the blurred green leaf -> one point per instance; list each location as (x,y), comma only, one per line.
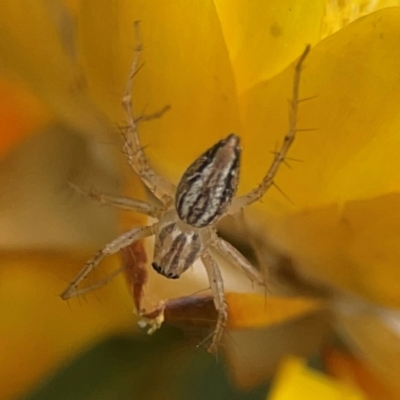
(142,367)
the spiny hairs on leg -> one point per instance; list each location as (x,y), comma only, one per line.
(280,155)
(97,285)
(121,202)
(113,247)
(160,187)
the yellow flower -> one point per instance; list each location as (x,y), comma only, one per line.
(221,66)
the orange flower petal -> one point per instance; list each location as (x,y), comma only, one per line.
(349,369)
(250,310)
(37,44)
(373,334)
(254,355)
(21,114)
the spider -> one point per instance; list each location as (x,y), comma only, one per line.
(187,217)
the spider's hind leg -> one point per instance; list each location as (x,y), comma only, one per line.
(238,259)
(217,289)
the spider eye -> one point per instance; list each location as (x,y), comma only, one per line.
(156,267)
(160,270)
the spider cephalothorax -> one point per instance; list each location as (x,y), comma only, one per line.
(176,247)
(185,230)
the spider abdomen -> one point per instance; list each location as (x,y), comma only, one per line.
(208,186)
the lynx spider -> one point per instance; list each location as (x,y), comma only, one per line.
(187,218)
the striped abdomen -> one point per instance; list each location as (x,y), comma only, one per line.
(208,186)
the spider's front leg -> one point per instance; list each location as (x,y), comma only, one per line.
(217,289)
(121,202)
(116,245)
(268,180)
(133,149)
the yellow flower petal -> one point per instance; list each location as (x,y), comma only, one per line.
(354,247)
(346,234)
(39,329)
(339,14)
(353,151)
(189,69)
(297,381)
(353,155)
(186,66)
(264,37)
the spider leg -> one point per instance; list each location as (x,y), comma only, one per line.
(122,202)
(117,244)
(267,182)
(238,259)
(217,289)
(99,284)
(159,186)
